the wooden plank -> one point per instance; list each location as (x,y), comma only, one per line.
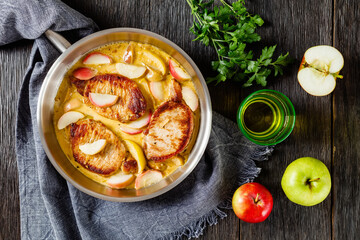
(295,26)
(346,170)
(172,19)
(115,13)
(14,60)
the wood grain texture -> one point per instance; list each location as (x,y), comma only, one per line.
(346,170)
(290,25)
(321,121)
(14,60)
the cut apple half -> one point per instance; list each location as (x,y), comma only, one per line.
(84,73)
(130,131)
(137,153)
(316,83)
(190,98)
(154,61)
(319,69)
(130,71)
(148,178)
(140,122)
(96,58)
(68,118)
(94,147)
(120,180)
(103,100)
(177,72)
(157,90)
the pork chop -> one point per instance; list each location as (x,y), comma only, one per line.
(169,131)
(105,162)
(131,104)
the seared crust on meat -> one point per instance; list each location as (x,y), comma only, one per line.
(131,104)
(175,91)
(106,161)
(130,165)
(169,131)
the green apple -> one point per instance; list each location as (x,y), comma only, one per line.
(306,181)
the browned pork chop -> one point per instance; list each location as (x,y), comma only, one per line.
(131,103)
(169,131)
(106,161)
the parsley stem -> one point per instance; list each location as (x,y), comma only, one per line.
(228,28)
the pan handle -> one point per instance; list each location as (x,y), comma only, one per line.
(59,41)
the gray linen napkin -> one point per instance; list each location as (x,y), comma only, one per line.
(51,208)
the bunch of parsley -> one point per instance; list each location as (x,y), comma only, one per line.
(228,28)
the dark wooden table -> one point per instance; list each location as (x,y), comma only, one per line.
(327,128)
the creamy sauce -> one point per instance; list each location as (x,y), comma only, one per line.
(69,92)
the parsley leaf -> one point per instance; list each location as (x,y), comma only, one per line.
(228,28)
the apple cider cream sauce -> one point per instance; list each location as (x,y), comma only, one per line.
(68,93)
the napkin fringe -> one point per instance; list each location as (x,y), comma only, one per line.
(262,154)
(196,229)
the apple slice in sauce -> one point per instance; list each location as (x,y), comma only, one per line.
(153,75)
(140,122)
(96,58)
(130,71)
(190,98)
(177,72)
(68,118)
(157,90)
(154,61)
(93,148)
(84,73)
(103,100)
(120,180)
(148,178)
(129,54)
(72,104)
(130,131)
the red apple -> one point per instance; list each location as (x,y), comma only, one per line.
(177,72)
(84,73)
(96,58)
(252,202)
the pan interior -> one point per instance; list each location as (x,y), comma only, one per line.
(46,110)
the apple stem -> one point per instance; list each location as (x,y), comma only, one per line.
(313,180)
(338,76)
(257,198)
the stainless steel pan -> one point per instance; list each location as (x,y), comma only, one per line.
(46,110)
